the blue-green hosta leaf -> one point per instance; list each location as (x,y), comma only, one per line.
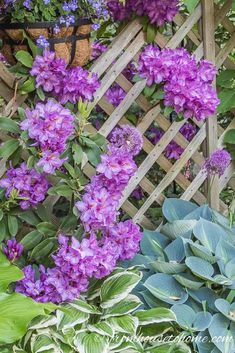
(171,267)
(201,212)
(225,308)
(209,234)
(102,328)
(166,288)
(204,344)
(117,288)
(175,250)
(70,317)
(91,343)
(176,209)
(180,228)
(188,280)
(8,273)
(125,323)
(153,242)
(126,306)
(155,315)
(206,295)
(225,251)
(185,315)
(151,300)
(200,267)
(201,251)
(85,307)
(222,327)
(202,321)
(229,270)
(139,260)
(16,312)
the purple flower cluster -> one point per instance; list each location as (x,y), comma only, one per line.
(217,163)
(13,250)
(78,261)
(157,11)
(98,49)
(50,125)
(173,150)
(115,95)
(67,84)
(187,84)
(30,185)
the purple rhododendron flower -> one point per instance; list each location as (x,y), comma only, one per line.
(13,250)
(217,163)
(98,49)
(126,139)
(67,84)
(115,95)
(30,185)
(187,84)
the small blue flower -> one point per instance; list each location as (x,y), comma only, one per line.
(42,42)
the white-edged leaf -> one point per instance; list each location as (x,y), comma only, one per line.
(125,323)
(155,315)
(126,306)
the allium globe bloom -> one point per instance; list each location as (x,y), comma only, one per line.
(50,125)
(126,235)
(217,163)
(115,95)
(30,185)
(98,49)
(66,84)
(187,84)
(126,139)
(13,250)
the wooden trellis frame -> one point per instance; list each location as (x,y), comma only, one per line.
(109,67)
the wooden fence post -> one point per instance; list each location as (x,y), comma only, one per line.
(208,16)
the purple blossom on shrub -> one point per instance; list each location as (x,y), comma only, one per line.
(30,185)
(98,49)
(67,84)
(118,10)
(115,95)
(126,139)
(13,250)
(50,161)
(138,193)
(187,84)
(217,163)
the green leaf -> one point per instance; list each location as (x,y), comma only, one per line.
(77,153)
(117,287)
(191,4)
(31,240)
(12,225)
(93,154)
(229,137)
(226,78)
(70,317)
(227,100)
(8,124)
(151,32)
(91,343)
(102,328)
(8,148)
(16,312)
(47,228)
(85,307)
(148,91)
(43,249)
(125,323)
(28,86)
(155,315)
(126,306)
(25,58)
(61,190)
(8,273)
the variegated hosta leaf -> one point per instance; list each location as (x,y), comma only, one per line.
(170,347)
(91,343)
(125,323)
(70,317)
(126,306)
(43,322)
(85,307)
(44,344)
(102,328)
(117,287)
(125,346)
(155,315)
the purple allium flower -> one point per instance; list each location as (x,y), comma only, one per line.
(217,163)
(115,95)
(13,250)
(127,236)
(98,49)
(126,139)
(187,84)
(42,42)
(30,185)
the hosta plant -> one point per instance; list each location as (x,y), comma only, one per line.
(190,268)
(108,319)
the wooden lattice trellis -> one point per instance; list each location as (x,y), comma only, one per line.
(109,67)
